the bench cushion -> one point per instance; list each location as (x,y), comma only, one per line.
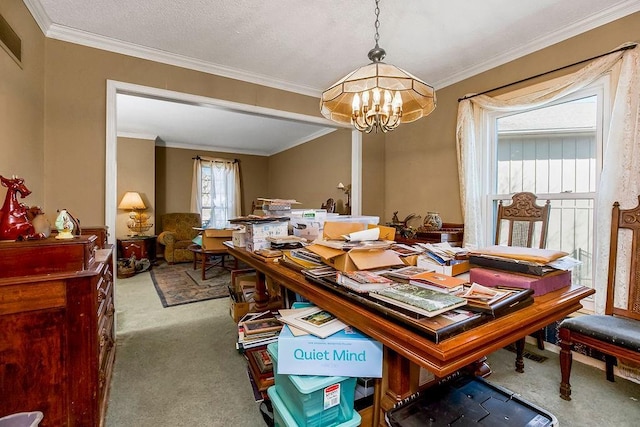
(619,331)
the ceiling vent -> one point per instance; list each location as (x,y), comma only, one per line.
(10,41)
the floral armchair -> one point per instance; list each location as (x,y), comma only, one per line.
(177,234)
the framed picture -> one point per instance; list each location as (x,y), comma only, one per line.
(261,326)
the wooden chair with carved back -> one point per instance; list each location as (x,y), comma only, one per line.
(329,205)
(616,333)
(524,223)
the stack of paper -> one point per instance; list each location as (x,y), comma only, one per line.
(312,320)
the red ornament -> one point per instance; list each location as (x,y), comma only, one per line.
(14,223)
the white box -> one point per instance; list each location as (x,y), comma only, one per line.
(373,220)
(263,230)
(348,353)
(239,238)
(256,245)
(308,228)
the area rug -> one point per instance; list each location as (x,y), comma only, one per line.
(179,284)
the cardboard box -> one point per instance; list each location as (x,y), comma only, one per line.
(347,353)
(540,284)
(453,268)
(239,309)
(237,306)
(213,238)
(355,259)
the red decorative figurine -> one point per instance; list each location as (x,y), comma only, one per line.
(14,223)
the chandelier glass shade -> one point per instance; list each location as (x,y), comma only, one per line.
(377,96)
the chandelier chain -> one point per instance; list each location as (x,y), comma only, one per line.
(377,23)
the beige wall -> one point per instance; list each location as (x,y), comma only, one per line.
(412,169)
(174,170)
(22,107)
(374,176)
(75,123)
(134,174)
(310,173)
(421,156)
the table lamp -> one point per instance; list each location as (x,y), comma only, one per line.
(138,221)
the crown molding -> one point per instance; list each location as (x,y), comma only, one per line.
(172,144)
(39,15)
(616,12)
(71,35)
(84,38)
(188,146)
(136,135)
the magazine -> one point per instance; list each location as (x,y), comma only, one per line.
(438,282)
(407,272)
(418,299)
(362,281)
(314,320)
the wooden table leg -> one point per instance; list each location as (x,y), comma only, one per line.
(204,264)
(519,353)
(396,384)
(261,297)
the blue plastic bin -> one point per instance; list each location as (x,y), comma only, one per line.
(314,401)
(282,416)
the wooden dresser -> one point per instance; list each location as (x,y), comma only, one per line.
(56,329)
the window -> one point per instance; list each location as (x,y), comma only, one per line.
(556,153)
(217,192)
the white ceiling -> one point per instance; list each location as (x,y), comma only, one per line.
(305,46)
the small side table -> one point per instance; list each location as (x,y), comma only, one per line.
(140,246)
(207,258)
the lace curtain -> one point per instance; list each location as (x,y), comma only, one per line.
(225,177)
(620,178)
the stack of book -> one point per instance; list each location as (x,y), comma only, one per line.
(300,259)
(496,301)
(419,299)
(257,329)
(438,282)
(541,270)
(362,281)
(444,258)
(311,320)
(319,272)
(260,367)
(406,273)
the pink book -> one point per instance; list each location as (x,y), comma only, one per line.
(540,284)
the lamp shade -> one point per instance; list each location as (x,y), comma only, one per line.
(131,200)
(418,98)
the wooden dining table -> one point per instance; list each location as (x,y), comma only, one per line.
(405,349)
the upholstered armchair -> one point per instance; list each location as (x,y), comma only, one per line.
(177,234)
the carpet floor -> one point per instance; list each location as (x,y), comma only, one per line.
(178,366)
(178,284)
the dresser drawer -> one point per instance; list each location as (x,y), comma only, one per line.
(104,291)
(106,338)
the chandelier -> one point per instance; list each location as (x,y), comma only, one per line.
(377,96)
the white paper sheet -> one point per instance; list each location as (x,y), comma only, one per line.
(360,236)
